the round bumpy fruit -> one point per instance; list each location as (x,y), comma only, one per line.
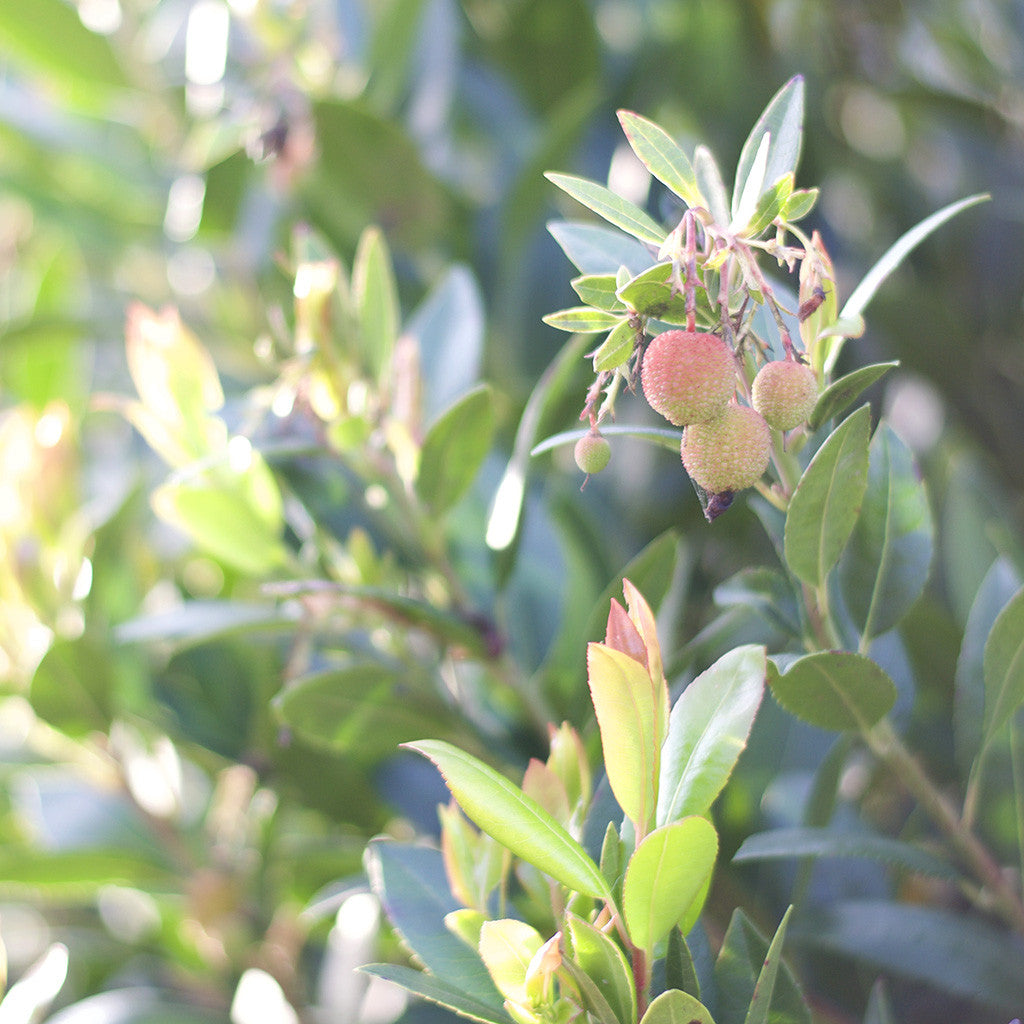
(728,453)
(688,377)
(592,453)
(784,393)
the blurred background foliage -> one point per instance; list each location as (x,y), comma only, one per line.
(175,841)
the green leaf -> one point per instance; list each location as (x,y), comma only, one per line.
(506,947)
(707,732)
(782,124)
(78,873)
(624,702)
(764,988)
(892,258)
(768,207)
(768,592)
(826,502)
(197,621)
(47,38)
(799,204)
(1004,668)
(376,300)
(616,210)
(676,1007)
(997,588)
(885,565)
(947,950)
(583,320)
(835,690)
(436,990)
(653,294)
(505,813)
(795,843)
(411,884)
(666,879)
(603,961)
(616,349)
(75,685)
(843,392)
(661,155)
(454,449)
(595,249)
(680,970)
(737,969)
(589,995)
(712,186)
(598,290)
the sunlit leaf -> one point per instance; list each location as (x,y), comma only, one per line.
(614,209)
(583,320)
(666,876)
(506,947)
(661,155)
(708,729)
(504,812)
(603,961)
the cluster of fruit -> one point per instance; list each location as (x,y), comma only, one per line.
(690,378)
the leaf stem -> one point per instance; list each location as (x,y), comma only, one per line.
(886,745)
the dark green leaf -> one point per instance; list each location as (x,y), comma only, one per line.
(828,842)
(454,449)
(843,392)
(411,883)
(737,969)
(616,210)
(835,690)
(708,730)
(74,687)
(680,971)
(760,1011)
(946,950)
(826,502)
(440,991)
(508,815)
(1004,667)
(885,565)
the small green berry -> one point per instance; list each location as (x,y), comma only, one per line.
(688,377)
(728,453)
(592,453)
(784,393)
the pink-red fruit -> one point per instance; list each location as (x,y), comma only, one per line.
(784,393)
(592,453)
(688,377)
(728,453)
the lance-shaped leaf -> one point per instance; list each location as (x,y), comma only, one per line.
(624,702)
(616,210)
(885,565)
(437,990)
(667,878)
(454,449)
(598,290)
(782,124)
(835,690)
(1004,667)
(616,349)
(661,155)
(680,969)
(844,392)
(595,249)
(376,299)
(603,961)
(738,970)
(677,1007)
(826,502)
(504,812)
(712,187)
(760,1011)
(583,320)
(707,731)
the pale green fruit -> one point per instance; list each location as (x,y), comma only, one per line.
(688,377)
(728,453)
(784,393)
(592,453)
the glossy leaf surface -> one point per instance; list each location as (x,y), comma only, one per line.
(616,210)
(708,729)
(603,961)
(504,812)
(661,155)
(826,502)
